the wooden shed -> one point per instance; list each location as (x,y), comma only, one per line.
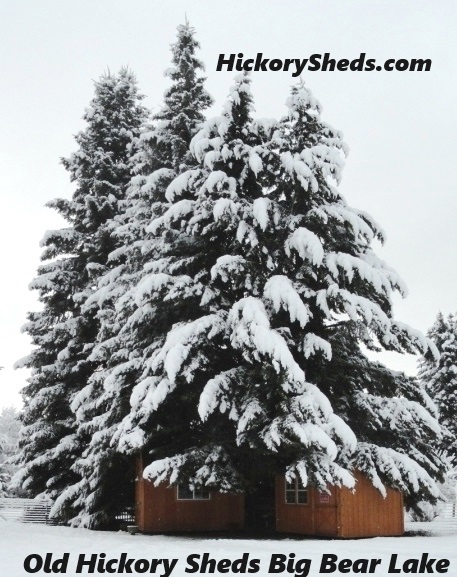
(296,509)
(166,509)
(340,513)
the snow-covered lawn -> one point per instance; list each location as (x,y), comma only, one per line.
(18,541)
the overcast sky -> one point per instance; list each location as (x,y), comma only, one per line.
(401,127)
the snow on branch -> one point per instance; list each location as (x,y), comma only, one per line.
(157,285)
(307,244)
(224,206)
(176,211)
(180,340)
(351,264)
(402,471)
(226,266)
(260,208)
(181,183)
(218,181)
(280,291)
(397,412)
(251,333)
(216,393)
(313,344)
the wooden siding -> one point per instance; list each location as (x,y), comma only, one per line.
(159,511)
(342,513)
(364,513)
(317,517)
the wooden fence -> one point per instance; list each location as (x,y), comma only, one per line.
(37,511)
(25,510)
(445,523)
(449,511)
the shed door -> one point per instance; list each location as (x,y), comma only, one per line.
(260,506)
(326,513)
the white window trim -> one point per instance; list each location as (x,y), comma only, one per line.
(296,489)
(193,498)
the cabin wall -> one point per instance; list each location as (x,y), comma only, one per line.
(319,516)
(326,512)
(342,513)
(366,513)
(159,511)
(139,492)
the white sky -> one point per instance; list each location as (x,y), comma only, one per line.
(401,126)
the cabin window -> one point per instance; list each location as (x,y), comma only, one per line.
(296,493)
(186,494)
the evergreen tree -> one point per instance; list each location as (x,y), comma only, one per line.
(9,436)
(262,370)
(62,332)
(127,332)
(440,380)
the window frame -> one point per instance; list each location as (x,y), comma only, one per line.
(194,491)
(297,489)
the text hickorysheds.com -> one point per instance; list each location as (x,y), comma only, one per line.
(319,63)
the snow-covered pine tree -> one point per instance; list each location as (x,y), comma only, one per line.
(262,371)
(127,332)
(62,333)
(440,380)
(352,306)
(9,437)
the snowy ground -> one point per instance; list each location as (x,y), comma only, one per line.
(18,541)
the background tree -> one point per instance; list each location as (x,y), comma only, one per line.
(440,380)
(9,439)
(62,332)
